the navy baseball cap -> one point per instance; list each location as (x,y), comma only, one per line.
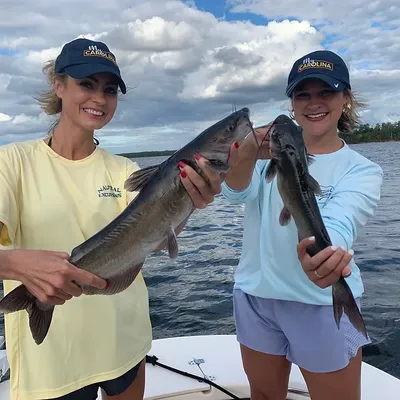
(321,64)
(83,57)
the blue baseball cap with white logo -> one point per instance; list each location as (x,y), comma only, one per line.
(321,64)
(83,57)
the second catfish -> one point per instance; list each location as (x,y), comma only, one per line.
(289,162)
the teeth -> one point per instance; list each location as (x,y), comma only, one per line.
(94,112)
(316,115)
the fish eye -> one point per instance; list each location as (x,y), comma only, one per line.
(230,128)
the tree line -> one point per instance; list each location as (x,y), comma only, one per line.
(366,133)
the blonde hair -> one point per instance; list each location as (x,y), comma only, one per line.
(350,117)
(49,102)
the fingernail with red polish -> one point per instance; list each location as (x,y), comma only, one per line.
(107,285)
(236,144)
(181,164)
(183,174)
(197,156)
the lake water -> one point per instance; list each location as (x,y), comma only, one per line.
(193,294)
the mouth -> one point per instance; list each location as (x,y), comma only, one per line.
(316,117)
(93,113)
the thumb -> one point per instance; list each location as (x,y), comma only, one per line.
(302,248)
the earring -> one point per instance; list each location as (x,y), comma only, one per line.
(291,114)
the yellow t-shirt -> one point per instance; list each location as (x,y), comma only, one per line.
(50,203)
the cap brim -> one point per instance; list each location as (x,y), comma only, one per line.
(84,70)
(335,84)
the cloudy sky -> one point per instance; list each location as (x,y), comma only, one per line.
(189,62)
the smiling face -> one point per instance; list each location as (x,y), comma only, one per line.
(317,107)
(88,103)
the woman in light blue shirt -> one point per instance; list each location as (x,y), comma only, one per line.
(282,296)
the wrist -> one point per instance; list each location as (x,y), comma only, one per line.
(7,268)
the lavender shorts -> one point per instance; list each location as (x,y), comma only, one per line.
(305,333)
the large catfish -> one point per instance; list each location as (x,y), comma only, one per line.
(289,162)
(117,252)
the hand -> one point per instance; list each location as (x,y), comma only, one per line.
(48,275)
(327,266)
(249,148)
(200,191)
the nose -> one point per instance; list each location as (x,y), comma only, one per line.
(314,103)
(99,97)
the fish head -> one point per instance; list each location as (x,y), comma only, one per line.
(285,137)
(215,142)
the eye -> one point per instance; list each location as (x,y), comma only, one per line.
(302,95)
(230,128)
(327,92)
(86,84)
(112,90)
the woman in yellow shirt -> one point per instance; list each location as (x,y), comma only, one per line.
(49,203)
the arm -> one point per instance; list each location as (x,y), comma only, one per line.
(46,274)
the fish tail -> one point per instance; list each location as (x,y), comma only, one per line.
(40,315)
(343,300)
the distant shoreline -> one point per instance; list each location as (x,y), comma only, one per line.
(379,133)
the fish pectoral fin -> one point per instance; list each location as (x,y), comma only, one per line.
(284,217)
(172,244)
(139,178)
(116,283)
(313,184)
(272,170)
(218,165)
(39,317)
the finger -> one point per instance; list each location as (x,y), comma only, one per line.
(334,275)
(319,258)
(331,263)
(52,290)
(311,263)
(72,289)
(233,159)
(214,178)
(198,182)
(41,289)
(86,278)
(197,198)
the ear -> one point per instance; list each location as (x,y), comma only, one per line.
(346,98)
(58,88)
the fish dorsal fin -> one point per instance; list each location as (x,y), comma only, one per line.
(312,184)
(272,169)
(140,177)
(172,244)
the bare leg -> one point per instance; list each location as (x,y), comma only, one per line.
(268,374)
(344,384)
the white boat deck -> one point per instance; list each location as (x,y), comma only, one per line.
(217,358)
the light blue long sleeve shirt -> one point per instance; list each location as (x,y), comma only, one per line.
(268,266)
